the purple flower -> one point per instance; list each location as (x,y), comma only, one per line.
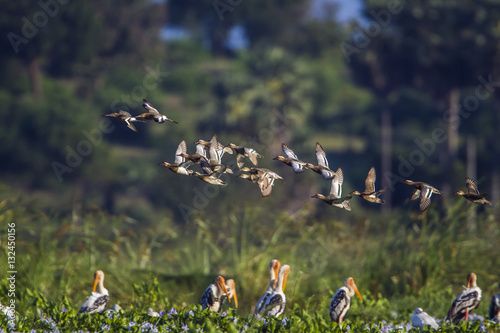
(64,310)
(284,321)
(185,328)
(105,327)
(191,313)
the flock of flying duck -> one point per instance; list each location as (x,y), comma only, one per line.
(209,156)
(273,301)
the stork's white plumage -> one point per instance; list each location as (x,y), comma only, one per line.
(97,301)
(341,301)
(274,267)
(276,302)
(494,314)
(420,318)
(213,296)
(467,301)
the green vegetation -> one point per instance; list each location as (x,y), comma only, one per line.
(417,99)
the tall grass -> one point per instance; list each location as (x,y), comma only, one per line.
(399,261)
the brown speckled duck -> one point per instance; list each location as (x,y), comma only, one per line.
(335,197)
(473,193)
(180,164)
(154,114)
(242,152)
(322,168)
(370,194)
(262,177)
(125,118)
(291,160)
(424,191)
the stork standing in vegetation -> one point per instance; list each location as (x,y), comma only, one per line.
(98,300)
(421,318)
(322,168)
(424,191)
(335,197)
(276,302)
(467,301)
(154,114)
(274,267)
(231,292)
(341,301)
(213,296)
(473,193)
(370,194)
(494,314)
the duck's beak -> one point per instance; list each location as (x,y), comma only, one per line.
(356,290)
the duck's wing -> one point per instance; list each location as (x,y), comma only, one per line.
(471,186)
(370,181)
(181,149)
(200,149)
(205,166)
(321,156)
(288,152)
(337,181)
(149,107)
(129,124)
(215,151)
(252,155)
(425,198)
(416,194)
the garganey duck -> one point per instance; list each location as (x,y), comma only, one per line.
(262,177)
(125,118)
(370,194)
(291,159)
(322,168)
(335,197)
(219,147)
(242,152)
(154,114)
(180,164)
(424,191)
(211,173)
(200,154)
(473,193)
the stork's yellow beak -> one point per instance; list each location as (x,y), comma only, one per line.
(356,290)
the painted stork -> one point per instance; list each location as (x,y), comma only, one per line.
(274,267)
(423,191)
(322,168)
(421,318)
(276,302)
(231,292)
(98,300)
(467,301)
(495,308)
(341,301)
(154,114)
(370,194)
(213,296)
(291,159)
